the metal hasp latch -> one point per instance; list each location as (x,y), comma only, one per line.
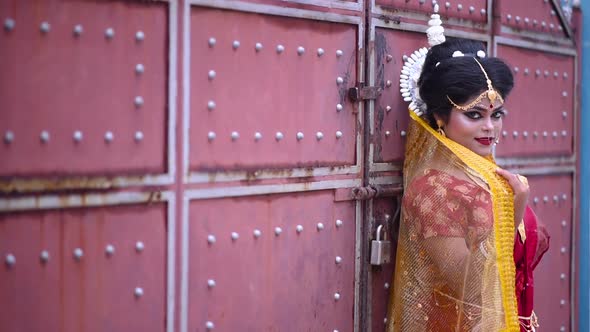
(362,92)
(380,249)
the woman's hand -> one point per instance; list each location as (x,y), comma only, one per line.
(521,190)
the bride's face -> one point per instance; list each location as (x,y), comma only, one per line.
(478,127)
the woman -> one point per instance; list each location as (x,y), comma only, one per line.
(468,243)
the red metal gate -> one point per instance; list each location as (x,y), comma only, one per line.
(191,165)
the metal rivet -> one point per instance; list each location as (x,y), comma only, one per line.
(211,105)
(555,198)
(320,51)
(563,250)
(525,134)
(109,33)
(564,114)
(210,283)
(44,256)
(483,11)
(516,69)
(45,27)
(388,108)
(403,133)
(405,58)
(544,134)
(515,134)
(211,239)
(257,136)
(386,286)
(339,223)
(300,50)
(385,320)
(555,74)
(562,276)
(422,1)
(565,75)
(552,12)
(546,73)
(257,233)
(299,229)
(336,296)
(554,134)
(138,136)
(471,9)
(545,199)
(564,94)
(77,136)
(526,71)
(388,83)
(300,136)
(139,69)
(459,7)
(109,250)
(212,41)
(139,36)
(78,254)
(535,134)
(280,49)
(447,5)
(559,28)
(279,136)
(44,136)
(563,223)
(258,47)
(526,20)
(211,136)
(235,236)
(338,134)
(10,260)
(320,226)
(211,74)
(78,29)
(387,133)
(9,24)
(138,292)
(235,44)
(538,72)
(278,231)
(338,259)
(562,329)
(388,57)
(209,325)
(543,24)
(8,137)
(536,200)
(339,80)
(339,53)
(138,101)
(564,197)
(508,17)
(562,302)
(551,26)
(235,135)
(504,133)
(517,19)
(139,246)
(109,136)
(535,22)
(319,135)
(339,107)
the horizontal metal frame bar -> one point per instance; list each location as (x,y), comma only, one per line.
(526,161)
(540,37)
(347,5)
(262,174)
(548,170)
(447,23)
(502,40)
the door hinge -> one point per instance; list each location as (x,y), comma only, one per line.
(375,191)
(362,92)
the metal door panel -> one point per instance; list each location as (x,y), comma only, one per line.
(554,208)
(472,10)
(543,81)
(277,91)
(69,88)
(90,293)
(274,280)
(539,17)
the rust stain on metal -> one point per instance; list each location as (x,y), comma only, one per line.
(59,184)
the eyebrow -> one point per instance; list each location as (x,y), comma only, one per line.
(485,109)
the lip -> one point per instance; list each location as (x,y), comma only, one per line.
(485,140)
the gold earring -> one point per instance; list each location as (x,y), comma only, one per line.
(440,130)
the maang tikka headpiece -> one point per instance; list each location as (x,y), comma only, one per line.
(413,68)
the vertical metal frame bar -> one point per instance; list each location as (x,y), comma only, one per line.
(204,177)
(46,202)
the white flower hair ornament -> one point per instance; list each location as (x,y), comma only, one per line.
(413,65)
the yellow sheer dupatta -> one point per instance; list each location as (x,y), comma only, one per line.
(483,298)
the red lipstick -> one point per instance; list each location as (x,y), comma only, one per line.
(485,140)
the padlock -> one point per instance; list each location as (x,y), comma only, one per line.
(380,249)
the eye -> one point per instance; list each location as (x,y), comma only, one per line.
(473,115)
(498,114)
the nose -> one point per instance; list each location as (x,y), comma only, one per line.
(488,125)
